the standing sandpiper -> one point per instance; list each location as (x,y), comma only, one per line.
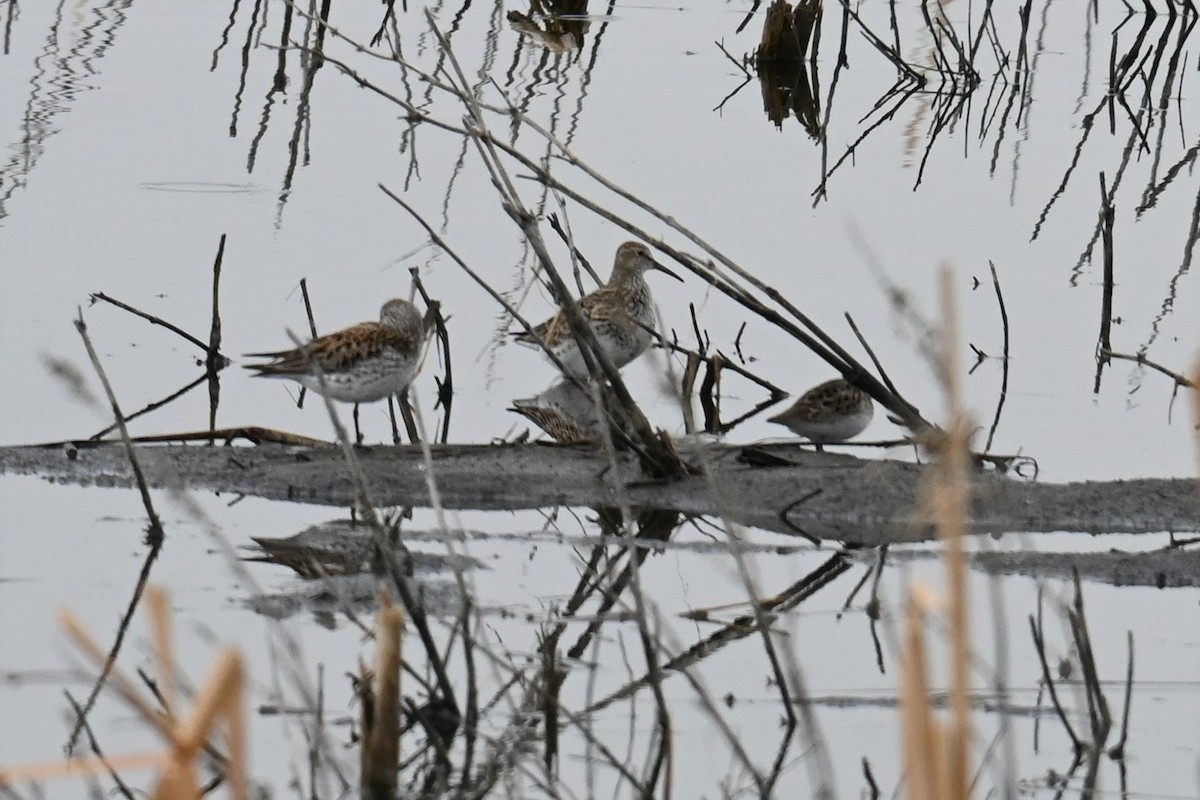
(834,411)
(620,312)
(359,364)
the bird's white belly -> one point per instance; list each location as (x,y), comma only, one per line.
(621,344)
(834,430)
(362,385)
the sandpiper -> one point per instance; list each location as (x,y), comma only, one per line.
(557,424)
(359,364)
(834,411)
(564,411)
(620,312)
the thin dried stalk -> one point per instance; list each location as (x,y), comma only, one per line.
(951,499)
(381,740)
(220,697)
(924,761)
(937,755)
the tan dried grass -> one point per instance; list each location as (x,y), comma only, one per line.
(221,698)
(936,752)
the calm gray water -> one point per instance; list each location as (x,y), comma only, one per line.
(138,134)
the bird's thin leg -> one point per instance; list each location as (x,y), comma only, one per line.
(820,448)
(358,437)
(392,414)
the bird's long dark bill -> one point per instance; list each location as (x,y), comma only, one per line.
(429,322)
(672,273)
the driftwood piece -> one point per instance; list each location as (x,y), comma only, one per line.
(826,495)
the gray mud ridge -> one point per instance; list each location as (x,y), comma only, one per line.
(1163,568)
(826,495)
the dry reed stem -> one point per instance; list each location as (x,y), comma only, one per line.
(117,679)
(381,741)
(79,766)
(158,605)
(922,765)
(951,499)
(220,697)
(937,755)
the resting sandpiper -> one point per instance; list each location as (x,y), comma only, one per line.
(620,313)
(834,411)
(359,364)
(564,411)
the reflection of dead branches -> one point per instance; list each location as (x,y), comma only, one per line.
(742,626)
(952,77)
(1104,349)
(783,62)
(1098,717)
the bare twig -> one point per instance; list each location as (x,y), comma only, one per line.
(445,386)
(1004,359)
(154,536)
(153,320)
(153,406)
